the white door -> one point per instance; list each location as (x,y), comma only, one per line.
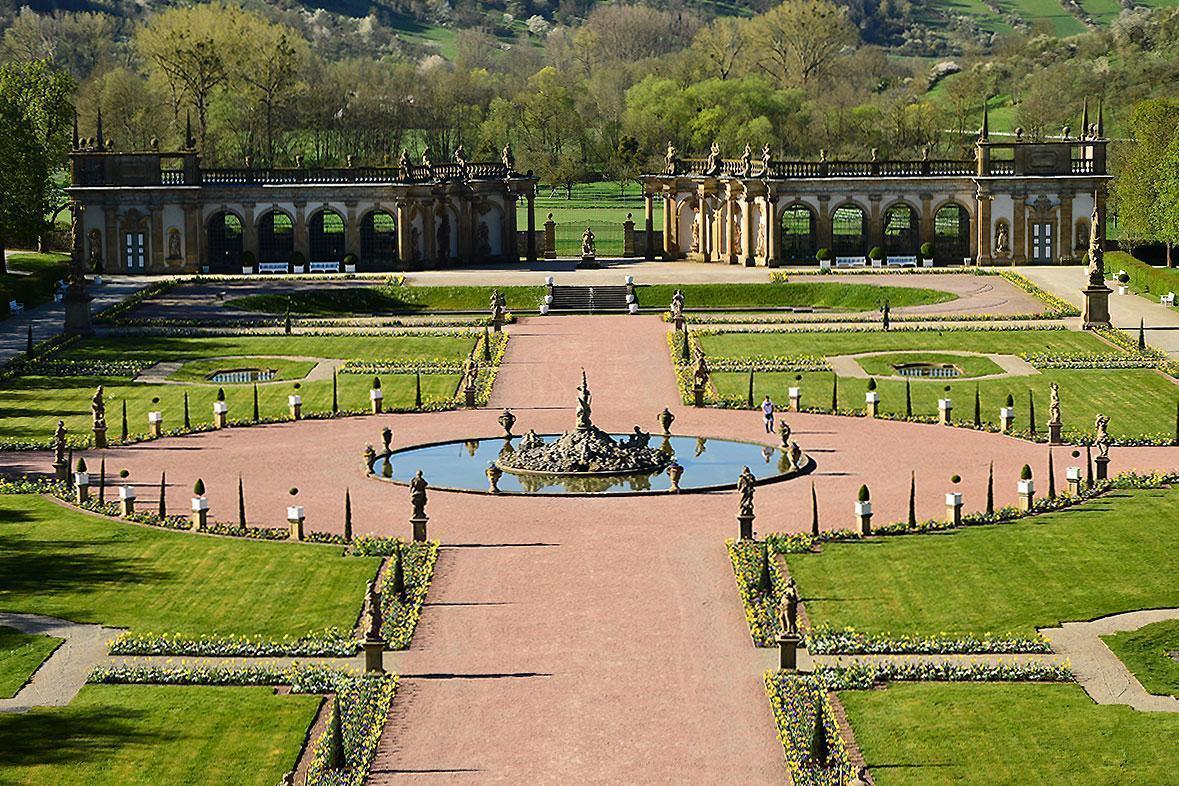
(1042,242)
(135,252)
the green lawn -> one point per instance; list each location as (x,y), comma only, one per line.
(63,563)
(31,278)
(159,348)
(917,734)
(1007,342)
(1140,402)
(199,371)
(1114,554)
(835,296)
(385,300)
(30,406)
(1149,653)
(144,735)
(600,206)
(21,654)
(968,365)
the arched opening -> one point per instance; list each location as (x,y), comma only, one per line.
(951,235)
(900,231)
(325,235)
(847,231)
(799,242)
(276,237)
(224,243)
(378,241)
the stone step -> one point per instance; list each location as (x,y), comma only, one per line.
(587,299)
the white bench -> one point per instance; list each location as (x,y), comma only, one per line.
(902,261)
(1167,299)
(824,264)
(849,261)
(14,307)
(272,267)
(325,267)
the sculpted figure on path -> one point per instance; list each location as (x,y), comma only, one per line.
(1053,403)
(583,403)
(374,612)
(790,608)
(98,409)
(700,375)
(59,442)
(1101,440)
(784,432)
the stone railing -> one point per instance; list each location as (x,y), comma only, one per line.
(780,170)
(351,175)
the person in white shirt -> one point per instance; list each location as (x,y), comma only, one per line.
(767,410)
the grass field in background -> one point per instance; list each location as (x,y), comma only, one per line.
(1149,281)
(145,735)
(969,365)
(918,734)
(831,295)
(160,348)
(31,278)
(1076,564)
(385,300)
(1003,342)
(63,563)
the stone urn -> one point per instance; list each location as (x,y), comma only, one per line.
(507,420)
(494,473)
(666,418)
(675,472)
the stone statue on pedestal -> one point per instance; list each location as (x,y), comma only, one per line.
(747,161)
(589,247)
(98,409)
(373,630)
(1053,403)
(766,160)
(509,159)
(1101,439)
(672,158)
(417,495)
(584,397)
(784,432)
(1096,251)
(59,443)
(746,489)
(700,375)
(677,304)
(713,165)
(790,608)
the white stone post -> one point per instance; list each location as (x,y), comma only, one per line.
(872,403)
(155,424)
(795,399)
(1027,494)
(1006,419)
(296,405)
(945,409)
(82,486)
(220,414)
(954,508)
(376,396)
(126,500)
(200,513)
(864,517)
(1073,474)
(296,518)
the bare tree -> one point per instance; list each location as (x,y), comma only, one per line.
(796,42)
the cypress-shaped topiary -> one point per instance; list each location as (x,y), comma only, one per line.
(123,430)
(336,756)
(256,413)
(1025,473)
(1141,335)
(820,746)
(347,515)
(221,394)
(1089,466)
(685,347)
(863,495)
(908,400)
(749,397)
(977,407)
(163,509)
(81,465)
(417,390)
(871,384)
(814,511)
(912,498)
(241,503)
(834,392)
(187,422)
(765,582)
(102,481)
(376,383)
(991,488)
(198,488)
(1031,412)
(397,572)
(1051,477)
(486,345)
(335,393)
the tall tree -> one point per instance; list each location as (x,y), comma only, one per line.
(799,40)
(1146,185)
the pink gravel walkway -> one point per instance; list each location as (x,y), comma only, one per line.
(582,640)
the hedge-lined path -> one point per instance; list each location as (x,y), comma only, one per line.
(62,675)
(1100,672)
(1127,311)
(48,319)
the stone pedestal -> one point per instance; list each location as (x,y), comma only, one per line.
(1006,419)
(954,508)
(945,411)
(374,655)
(588,262)
(795,399)
(220,414)
(295,403)
(61,471)
(1102,463)
(1054,434)
(296,518)
(698,396)
(864,517)
(745,526)
(469,396)
(100,437)
(1027,494)
(126,500)
(81,487)
(1073,475)
(550,238)
(788,651)
(155,424)
(681,324)
(77,311)
(872,404)
(200,514)
(1096,311)
(419,528)
(376,397)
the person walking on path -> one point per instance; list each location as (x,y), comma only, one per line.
(767,411)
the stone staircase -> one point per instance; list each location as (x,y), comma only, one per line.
(588,300)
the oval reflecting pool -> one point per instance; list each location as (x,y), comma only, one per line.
(709,464)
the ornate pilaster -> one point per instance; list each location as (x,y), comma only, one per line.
(1019,229)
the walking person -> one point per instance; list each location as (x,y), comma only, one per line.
(767,411)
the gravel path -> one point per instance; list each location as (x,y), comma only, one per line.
(1101,673)
(64,673)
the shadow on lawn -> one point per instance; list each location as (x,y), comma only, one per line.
(33,567)
(61,736)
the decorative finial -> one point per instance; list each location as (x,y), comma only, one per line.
(1085,117)
(98,130)
(1101,118)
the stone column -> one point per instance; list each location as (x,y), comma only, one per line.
(725,235)
(200,514)
(1019,228)
(823,228)
(983,229)
(795,394)
(628,236)
(158,246)
(155,424)
(1065,232)
(249,230)
(788,651)
(1102,463)
(81,487)
(374,650)
(669,248)
(220,414)
(875,221)
(747,240)
(351,229)
(511,241)
(745,526)
(376,396)
(531,226)
(404,233)
(945,410)
(773,231)
(302,239)
(419,528)
(296,406)
(926,227)
(872,403)
(704,217)
(430,231)
(194,238)
(649,225)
